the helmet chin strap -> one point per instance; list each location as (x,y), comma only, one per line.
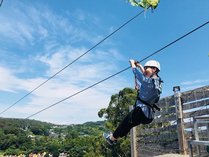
(152,75)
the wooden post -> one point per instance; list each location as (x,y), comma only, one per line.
(180,121)
(133,139)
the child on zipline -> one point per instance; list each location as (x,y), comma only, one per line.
(148,94)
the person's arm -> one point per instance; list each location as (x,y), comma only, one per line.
(136,72)
(135,64)
(140,67)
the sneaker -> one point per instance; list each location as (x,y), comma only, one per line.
(107,138)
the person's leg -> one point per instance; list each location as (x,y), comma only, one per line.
(134,118)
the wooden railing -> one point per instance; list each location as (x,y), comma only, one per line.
(173,126)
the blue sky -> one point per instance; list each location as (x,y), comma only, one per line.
(38,38)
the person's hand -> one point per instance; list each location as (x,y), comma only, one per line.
(137,63)
(132,62)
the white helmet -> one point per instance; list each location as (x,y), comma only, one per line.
(152,63)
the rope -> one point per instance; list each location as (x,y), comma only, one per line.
(171,43)
(72,61)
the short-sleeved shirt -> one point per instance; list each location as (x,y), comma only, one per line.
(150,90)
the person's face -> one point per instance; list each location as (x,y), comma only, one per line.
(149,71)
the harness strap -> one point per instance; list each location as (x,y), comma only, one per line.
(153,106)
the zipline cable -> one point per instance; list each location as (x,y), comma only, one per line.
(73,61)
(171,43)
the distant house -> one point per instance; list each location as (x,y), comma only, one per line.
(32,137)
(52,134)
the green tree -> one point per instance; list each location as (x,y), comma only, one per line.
(117,109)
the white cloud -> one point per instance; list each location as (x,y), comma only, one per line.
(189,85)
(84,73)
(85,104)
(81,107)
(8,81)
(93,66)
(38,23)
(52,34)
(194,82)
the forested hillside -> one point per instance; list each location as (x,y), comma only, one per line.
(22,136)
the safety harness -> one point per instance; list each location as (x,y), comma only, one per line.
(152,106)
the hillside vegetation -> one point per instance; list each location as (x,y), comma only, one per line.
(23,136)
(20,136)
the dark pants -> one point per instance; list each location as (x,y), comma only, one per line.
(134,118)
